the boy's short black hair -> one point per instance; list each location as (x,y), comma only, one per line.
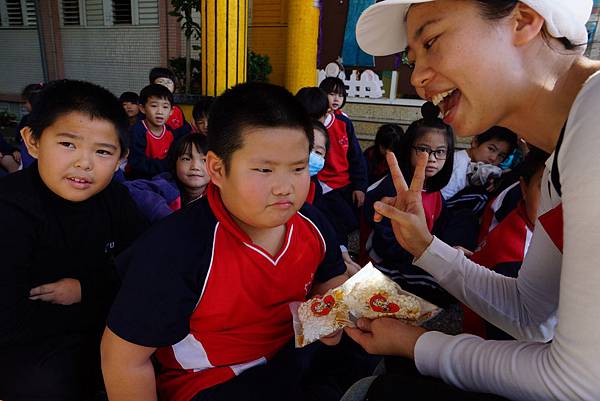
(314,101)
(334,85)
(388,136)
(252,104)
(67,96)
(318,125)
(430,122)
(161,72)
(534,161)
(499,134)
(155,90)
(130,97)
(202,107)
(183,146)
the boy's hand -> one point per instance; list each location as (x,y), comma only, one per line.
(17,156)
(351,266)
(66,291)
(467,253)
(333,338)
(386,336)
(358,197)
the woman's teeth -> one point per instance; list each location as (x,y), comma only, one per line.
(437,99)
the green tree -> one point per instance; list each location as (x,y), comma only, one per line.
(183,9)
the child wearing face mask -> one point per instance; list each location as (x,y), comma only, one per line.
(185,181)
(427,135)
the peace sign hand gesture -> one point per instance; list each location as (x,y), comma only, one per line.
(405,211)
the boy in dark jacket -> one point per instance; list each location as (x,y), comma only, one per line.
(65,222)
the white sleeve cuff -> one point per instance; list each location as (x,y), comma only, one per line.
(428,351)
(438,259)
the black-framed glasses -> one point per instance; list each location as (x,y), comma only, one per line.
(439,154)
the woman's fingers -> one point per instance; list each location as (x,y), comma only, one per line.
(388,201)
(418,181)
(397,177)
(391,212)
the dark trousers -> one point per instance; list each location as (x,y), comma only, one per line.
(61,368)
(341,212)
(313,373)
(403,381)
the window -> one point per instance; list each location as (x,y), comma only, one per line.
(121,10)
(70,13)
(14,12)
(17,13)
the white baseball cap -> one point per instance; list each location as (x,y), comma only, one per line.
(381,29)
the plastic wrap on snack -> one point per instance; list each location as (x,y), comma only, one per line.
(319,316)
(371,294)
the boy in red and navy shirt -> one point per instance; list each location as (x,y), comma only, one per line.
(212,305)
(150,137)
(503,248)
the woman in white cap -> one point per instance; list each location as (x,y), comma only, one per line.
(516,64)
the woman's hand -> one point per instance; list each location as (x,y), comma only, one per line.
(405,211)
(386,336)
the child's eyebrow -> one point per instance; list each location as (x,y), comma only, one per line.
(79,137)
(273,163)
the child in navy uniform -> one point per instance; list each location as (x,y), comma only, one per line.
(150,137)
(130,102)
(200,114)
(67,220)
(207,290)
(344,176)
(176,121)
(427,135)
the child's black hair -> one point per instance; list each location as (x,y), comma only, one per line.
(130,97)
(155,90)
(314,101)
(68,96)
(429,122)
(183,146)
(161,72)
(534,161)
(252,104)
(388,136)
(499,134)
(318,125)
(334,85)
(31,93)
(202,107)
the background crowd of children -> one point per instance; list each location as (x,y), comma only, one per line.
(97,171)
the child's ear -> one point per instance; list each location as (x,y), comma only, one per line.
(171,112)
(141,107)
(30,142)
(215,167)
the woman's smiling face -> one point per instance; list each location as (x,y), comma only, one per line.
(463,61)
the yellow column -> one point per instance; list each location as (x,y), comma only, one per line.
(302,37)
(224,46)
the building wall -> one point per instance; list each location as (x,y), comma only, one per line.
(118,58)
(268,34)
(20,60)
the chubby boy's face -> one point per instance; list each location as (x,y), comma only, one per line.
(267,180)
(77,156)
(157,111)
